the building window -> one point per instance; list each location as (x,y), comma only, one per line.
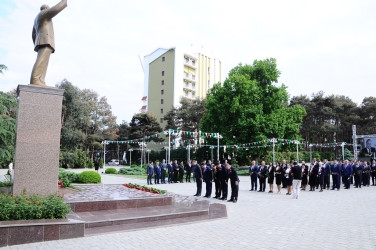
(162,73)
(161,120)
(186,93)
(163,59)
(162,101)
(209,83)
(193,62)
(162,92)
(208,70)
(162,82)
(161,111)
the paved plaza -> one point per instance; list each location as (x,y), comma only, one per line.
(342,219)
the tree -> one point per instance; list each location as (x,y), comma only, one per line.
(8,107)
(249,107)
(2,68)
(142,125)
(187,116)
(368,116)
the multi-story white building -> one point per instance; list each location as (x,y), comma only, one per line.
(170,74)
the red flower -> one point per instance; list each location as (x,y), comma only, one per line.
(39,204)
(35,202)
(28,203)
(17,202)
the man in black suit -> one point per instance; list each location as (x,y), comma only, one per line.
(223,178)
(234,180)
(188,170)
(198,176)
(175,166)
(368,149)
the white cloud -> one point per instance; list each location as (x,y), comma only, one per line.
(319,45)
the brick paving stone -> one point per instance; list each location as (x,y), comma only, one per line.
(257,221)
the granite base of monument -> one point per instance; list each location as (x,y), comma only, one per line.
(37,148)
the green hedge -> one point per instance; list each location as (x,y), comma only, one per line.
(110,171)
(67,177)
(132,171)
(23,207)
(89,177)
(6,183)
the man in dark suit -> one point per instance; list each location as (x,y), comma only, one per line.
(208,178)
(253,172)
(327,174)
(368,149)
(263,170)
(157,172)
(347,172)
(234,180)
(198,176)
(170,170)
(44,41)
(216,180)
(176,171)
(336,175)
(163,171)
(222,175)
(150,171)
(188,171)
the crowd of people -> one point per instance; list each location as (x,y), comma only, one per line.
(292,176)
(318,175)
(219,174)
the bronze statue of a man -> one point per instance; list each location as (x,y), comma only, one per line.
(44,41)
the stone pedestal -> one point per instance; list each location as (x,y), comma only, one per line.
(36,163)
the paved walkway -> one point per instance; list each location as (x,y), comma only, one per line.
(327,220)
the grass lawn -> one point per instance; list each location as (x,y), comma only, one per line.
(143,176)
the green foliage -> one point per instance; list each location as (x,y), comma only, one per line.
(101,163)
(244,172)
(110,171)
(132,171)
(90,164)
(348,155)
(251,107)
(87,119)
(6,183)
(89,177)
(73,159)
(2,68)
(134,166)
(25,207)
(234,163)
(8,107)
(67,177)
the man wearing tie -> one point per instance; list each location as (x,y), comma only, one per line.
(253,172)
(163,172)
(368,149)
(347,172)
(198,176)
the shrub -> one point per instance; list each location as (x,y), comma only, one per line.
(23,207)
(243,172)
(101,163)
(110,171)
(89,177)
(132,171)
(67,177)
(134,166)
(90,164)
(6,183)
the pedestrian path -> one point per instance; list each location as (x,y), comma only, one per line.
(326,220)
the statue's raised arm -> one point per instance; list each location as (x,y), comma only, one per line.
(44,40)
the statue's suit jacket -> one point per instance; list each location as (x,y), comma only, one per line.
(43,30)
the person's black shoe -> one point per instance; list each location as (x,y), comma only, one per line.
(215,197)
(196,195)
(251,189)
(321,190)
(259,191)
(231,200)
(223,198)
(235,201)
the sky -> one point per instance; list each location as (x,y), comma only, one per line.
(319,45)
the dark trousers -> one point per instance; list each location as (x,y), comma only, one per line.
(208,188)
(217,189)
(181,176)
(284,185)
(234,190)
(199,186)
(365,179)
(170,177)
(163,176)
(150,176)
(262,183)
(156,178)
(188,176)
(224,188)
(358,181)
(327,181)
(336,181)
(347,182)
(176,176)
(373,175)
(253,182)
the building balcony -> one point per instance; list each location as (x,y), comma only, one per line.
(190,64)
(189,78)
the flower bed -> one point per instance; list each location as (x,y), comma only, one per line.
(23,207)
(145,188)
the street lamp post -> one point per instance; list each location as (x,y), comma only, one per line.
(297,151)
(211,148)
(130,156)
(343,151)
(274,140)
(310,152)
